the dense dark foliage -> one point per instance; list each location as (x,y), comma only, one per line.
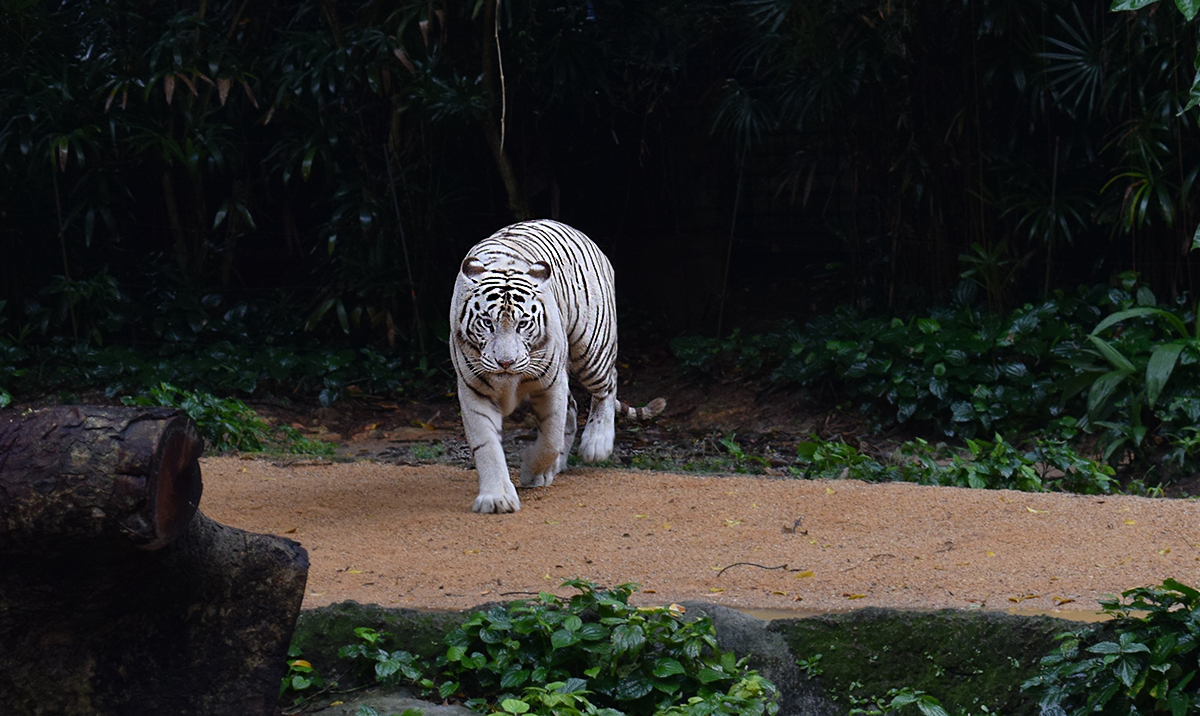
(293,182)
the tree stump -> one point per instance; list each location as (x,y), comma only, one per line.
(116,595)
(73,473)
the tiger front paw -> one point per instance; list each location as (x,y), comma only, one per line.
(496,504)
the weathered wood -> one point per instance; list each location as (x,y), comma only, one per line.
(118,597)
(94,472)
(198,628)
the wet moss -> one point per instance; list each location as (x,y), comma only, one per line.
(321,632)
(967,660)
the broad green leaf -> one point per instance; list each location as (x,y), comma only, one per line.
(709,675)
(1120,5)
(593,631)
(514,706)
(1112,355)
(1126,670)
(930,707)
(1158,369)
(1188,8)
(307,163)
(667,667)
(563,638)
(1119,316)
(514,677)
(626,638)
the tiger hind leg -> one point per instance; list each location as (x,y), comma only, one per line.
(569,430)
(597,441)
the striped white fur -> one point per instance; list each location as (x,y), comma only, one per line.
(533,303)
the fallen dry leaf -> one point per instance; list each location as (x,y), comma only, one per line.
(803,575)
(1037,512)
(1018,600)
(847,595)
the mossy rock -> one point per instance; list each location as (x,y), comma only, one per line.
(322,631)
(967,660)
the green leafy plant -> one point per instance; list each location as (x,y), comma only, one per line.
(991,465)
(591,653)
(229,424)
(1142,662)
(742,462)
(896,700)
(301,680)
(1140,367)
(388,666)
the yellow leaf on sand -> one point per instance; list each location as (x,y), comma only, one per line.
(1037,512)
(782,594)
(732,523)
(470,551)
(854,596)
(1062,600)
(803,575)
(715,568)
(552,522)
(1018,600)
(829,491)
(716,590)
(640,517)
(1165,551)
(354,571)
(991,554)
(1130,522)
(666,525)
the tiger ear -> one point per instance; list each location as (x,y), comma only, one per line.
(539,271)
(472,267)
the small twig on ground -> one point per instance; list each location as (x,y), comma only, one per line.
(752,564)
(872,559)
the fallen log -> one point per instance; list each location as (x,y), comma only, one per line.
(116,595)
(72,473)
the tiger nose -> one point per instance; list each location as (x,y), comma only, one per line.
(504,363)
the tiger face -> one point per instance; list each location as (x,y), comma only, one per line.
(504,319)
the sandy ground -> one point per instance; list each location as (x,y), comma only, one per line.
(405,536)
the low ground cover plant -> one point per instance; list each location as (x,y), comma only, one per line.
(229,424)
(1109,363)
(1142,662)
(591,654)
(1046,465)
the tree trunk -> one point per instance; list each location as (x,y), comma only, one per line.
(493,120)
(117,597)
(75,473)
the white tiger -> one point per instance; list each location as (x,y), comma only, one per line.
(532,302)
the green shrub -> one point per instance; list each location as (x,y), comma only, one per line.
(590,654)
(964,370)
(991,465)
(229,424)
(1142,662)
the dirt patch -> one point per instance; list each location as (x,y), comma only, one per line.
(404,535)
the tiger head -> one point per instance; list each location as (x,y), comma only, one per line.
(504,317)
